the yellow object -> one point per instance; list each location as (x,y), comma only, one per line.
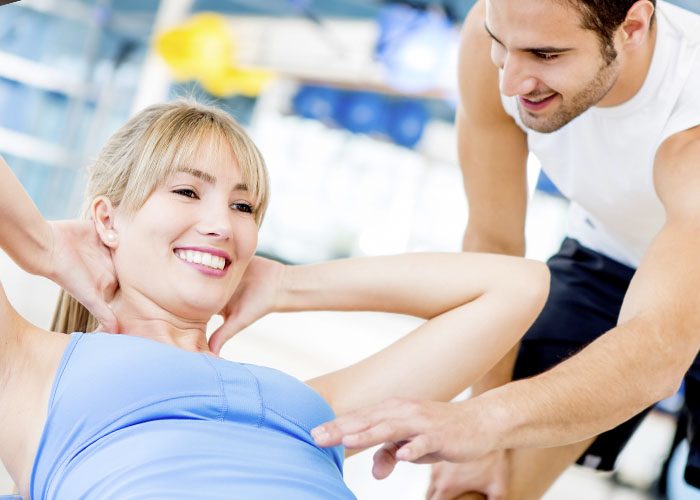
(249,82)
(204,49)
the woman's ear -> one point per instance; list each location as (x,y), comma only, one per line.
(102,212)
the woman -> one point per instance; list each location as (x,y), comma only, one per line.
(176,197)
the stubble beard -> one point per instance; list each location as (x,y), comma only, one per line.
(571,108)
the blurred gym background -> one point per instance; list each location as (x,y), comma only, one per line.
(352,103)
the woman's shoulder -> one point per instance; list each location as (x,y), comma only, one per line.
(25,393)
(35,359)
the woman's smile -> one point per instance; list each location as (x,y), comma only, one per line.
(209,261)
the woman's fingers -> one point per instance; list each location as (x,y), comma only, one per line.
(104,316)
(231,326)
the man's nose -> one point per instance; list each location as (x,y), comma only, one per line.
(515,77)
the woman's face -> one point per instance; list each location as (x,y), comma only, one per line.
(186,249)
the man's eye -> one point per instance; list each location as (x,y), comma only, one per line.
(546,56)
(186,192)
(243,207)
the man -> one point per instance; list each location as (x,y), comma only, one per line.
(607,94)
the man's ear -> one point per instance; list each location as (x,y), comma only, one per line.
(102,212)
(637,24)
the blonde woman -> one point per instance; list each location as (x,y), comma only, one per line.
(175,200)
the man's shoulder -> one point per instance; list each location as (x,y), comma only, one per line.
(685,73)
(683,22)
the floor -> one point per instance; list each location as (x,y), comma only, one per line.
(307,344)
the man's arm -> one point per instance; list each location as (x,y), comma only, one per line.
(493,158)
(644,358)
(632,366)
(492,149)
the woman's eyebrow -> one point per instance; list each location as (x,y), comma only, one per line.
(208,178)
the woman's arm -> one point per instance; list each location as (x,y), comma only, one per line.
(67,252)
(29,355)
(477,306)
(63,251)
(24,234)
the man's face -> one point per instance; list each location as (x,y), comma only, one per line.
(553,65)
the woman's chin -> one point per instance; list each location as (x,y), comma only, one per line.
(187,307)
(200,311)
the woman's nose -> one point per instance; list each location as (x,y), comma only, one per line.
(216,223)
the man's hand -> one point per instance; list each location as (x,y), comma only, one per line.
(255,297)
(487,475)
(79,262)
(412,431)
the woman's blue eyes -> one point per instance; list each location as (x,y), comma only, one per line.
(240,206)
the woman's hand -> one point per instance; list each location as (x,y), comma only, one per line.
(69,253)
(256,296)
(78,261)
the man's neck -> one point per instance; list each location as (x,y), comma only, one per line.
(633,74)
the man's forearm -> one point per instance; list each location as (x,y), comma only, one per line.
(476,240)
(614,378)
(23,232)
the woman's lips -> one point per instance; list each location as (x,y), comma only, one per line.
(216,273)
(209,261)
(537,105)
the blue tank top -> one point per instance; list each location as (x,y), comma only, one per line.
(129,417)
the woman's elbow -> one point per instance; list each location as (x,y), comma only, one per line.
(523,289)
(532,285)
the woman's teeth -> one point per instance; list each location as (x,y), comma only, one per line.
(202,258)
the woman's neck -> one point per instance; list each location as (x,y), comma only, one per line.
(139,317)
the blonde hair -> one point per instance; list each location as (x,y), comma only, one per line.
(146,151)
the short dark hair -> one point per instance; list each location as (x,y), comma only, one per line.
(603,17)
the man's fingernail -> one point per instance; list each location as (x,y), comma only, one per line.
(319,433)
(351,440)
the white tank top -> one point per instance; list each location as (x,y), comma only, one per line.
(603,160)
